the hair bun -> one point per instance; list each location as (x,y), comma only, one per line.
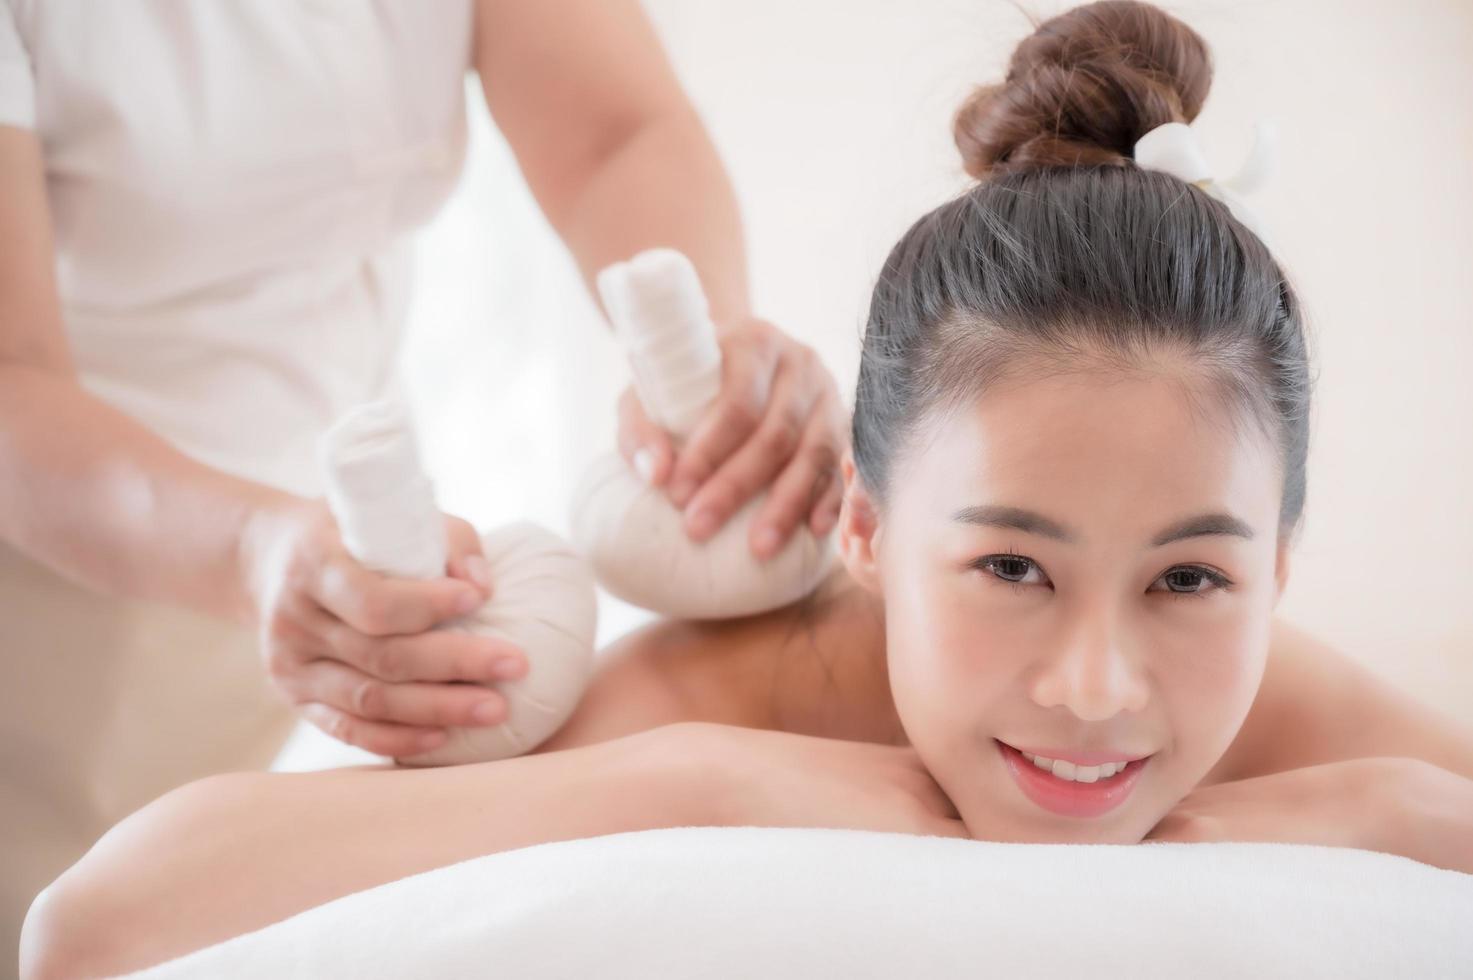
(1083,88)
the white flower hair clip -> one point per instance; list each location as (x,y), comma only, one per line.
(1173,148)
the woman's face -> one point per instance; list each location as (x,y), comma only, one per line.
(1082,565)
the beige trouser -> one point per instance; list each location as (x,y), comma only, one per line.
(106,704)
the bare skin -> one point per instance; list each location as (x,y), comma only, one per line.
(823,673)
(875,705)
(813,675)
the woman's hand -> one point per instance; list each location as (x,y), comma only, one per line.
(356,650)
(777,423)
(1390,804)
(754,777)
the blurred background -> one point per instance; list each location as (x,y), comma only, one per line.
(833,117)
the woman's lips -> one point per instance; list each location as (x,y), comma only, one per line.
(1071,799)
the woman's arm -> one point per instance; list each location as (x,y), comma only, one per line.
(233,853)
(1317,705)
(1332,754)
(1392,804)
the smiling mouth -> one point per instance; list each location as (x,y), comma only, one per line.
(1069,789)
(1083,767)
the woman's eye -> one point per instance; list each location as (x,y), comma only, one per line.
(1189,580)
(1012,568)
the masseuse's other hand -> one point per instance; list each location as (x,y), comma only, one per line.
(355,650)
(778,424)
(754,777)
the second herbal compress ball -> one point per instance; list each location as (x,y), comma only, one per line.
(543,598)
(632,534)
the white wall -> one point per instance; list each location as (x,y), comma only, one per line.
(833,116)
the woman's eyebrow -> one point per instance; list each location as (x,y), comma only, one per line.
(1204,524)
(1014,518)
(1032,522)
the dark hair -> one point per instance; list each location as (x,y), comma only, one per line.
(1066,249)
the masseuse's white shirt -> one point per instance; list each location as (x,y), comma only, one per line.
(231,183)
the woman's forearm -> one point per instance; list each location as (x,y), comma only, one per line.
(233,853)
(100,498)
(1431,817)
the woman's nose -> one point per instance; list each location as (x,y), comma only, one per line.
(1094,673)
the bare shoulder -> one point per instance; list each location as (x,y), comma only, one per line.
(1317,705)
(674,670)
(789,669)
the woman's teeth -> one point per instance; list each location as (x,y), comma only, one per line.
(1078,774)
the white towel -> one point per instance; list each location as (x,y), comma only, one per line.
(762,902)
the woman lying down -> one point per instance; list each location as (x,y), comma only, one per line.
(1078,460)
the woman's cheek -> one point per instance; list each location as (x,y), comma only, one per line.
(953,676)
(954,634)
(1208,680)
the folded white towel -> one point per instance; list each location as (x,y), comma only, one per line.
(754,902)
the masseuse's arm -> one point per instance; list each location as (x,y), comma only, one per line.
(87,490)
(101,499)
(619,161)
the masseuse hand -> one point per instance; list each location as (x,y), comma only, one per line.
(1388,804)
(354,650)
(778,423)
(754,777)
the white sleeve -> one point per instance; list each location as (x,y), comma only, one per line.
(17,84)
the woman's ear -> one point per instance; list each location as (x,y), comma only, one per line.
(858,528)
(1281,568)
